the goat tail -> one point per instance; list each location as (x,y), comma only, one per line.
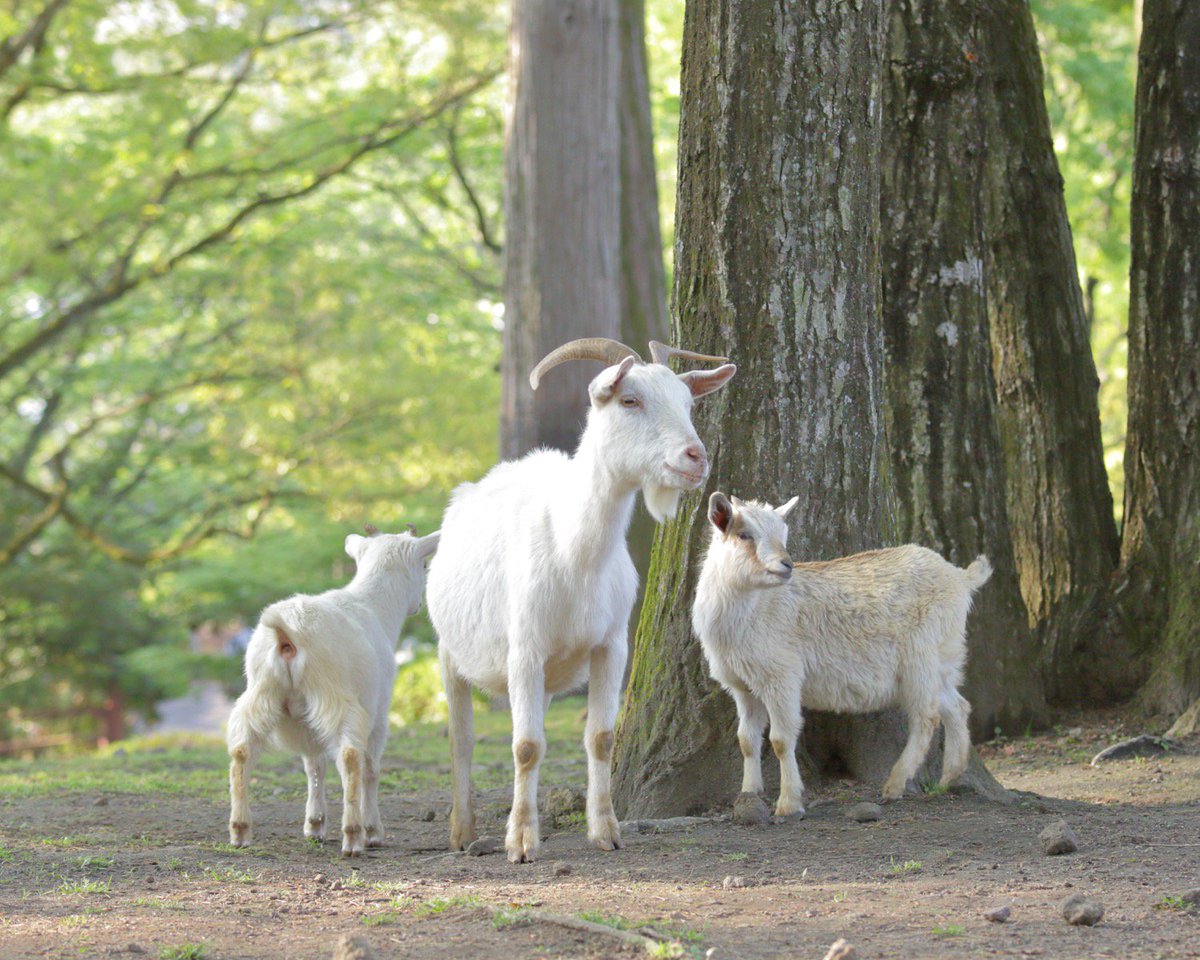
(978,572)
(287,658)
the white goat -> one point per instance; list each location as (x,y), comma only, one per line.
(532,588)
(319,672)
(878,629)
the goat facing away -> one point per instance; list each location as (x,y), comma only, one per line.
(319,675)
(862,633)
(532,586)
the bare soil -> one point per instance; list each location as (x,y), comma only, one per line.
(94,863)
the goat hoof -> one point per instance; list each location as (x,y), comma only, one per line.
(606,834)
(374,837)
(789,809)
(314,829)
(522,844)
(239,834)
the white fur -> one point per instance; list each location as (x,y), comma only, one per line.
(878,629)
(532,587)
(319,675)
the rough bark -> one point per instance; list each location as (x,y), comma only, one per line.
(562,211)
(777,229)
(1157,594)
(950,477)
(1058,501)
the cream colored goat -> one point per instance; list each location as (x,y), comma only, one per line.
(319,675)
(874,630)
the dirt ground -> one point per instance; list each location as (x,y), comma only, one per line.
(124,856)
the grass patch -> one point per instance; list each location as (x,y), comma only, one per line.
(153,904)
(907,867)
(74,841)
(93,863)
(504,917)
(1174,903)
(184,951)
(736,857)
(230,875)
(949,930)
(431,908)
(841,896)
(68,887)
(6,854)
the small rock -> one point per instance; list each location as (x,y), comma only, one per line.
(1143,746)
(483,847)
(427,816)
(750,810)
(668,825)
(734,883)
(320,878)
(135,948)
(336,885)
(100,802)
(1080,910)
(865,812)
(562,870)
(353,948)
(1058,838)
(563,801)
(841,950)
(999,914)
(1075,732)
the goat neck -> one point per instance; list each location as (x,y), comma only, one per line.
(591,513)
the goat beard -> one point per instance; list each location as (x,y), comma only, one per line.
(662,502)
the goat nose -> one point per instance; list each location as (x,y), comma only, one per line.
(786,562)
(695,453)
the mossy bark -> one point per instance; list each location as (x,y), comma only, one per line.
(943,419)
(777,267)
(1157,593)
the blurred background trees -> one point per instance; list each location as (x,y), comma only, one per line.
(251,285)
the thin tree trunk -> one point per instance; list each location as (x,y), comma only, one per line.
(1058,501)
(777,267)
(950,476)
(1157,594)
(562,254)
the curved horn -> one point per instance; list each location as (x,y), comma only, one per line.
(371,529)
(590,348)
(411,528)
(661,353)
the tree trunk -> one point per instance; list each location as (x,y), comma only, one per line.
(777,267)
(943,427)
(562,253)
(1058,501)
(1157,596)
(643,289)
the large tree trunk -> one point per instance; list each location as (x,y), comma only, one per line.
(562,252)
(950,476)
(1059,504)
(1157,597)
(777,267)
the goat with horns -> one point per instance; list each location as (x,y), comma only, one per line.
(532,586)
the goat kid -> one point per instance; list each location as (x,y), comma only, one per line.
(532,587)
(862,633)
(319,676)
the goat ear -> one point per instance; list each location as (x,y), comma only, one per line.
(702,382)
(601,389)
(785,508)
(720,511)
(427,544)
(354,545)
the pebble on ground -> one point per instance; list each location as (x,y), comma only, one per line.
(1080,910)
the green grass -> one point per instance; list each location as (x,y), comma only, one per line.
(933,788)
(154,904)
(6,854)
(735,857)
(1174,903)
(505,917)
(230,875)
(198,767)
(431,908)
(93,863)
(68,887)
(75,841)
(949,930)
(184,951)
(907,867)
(841,896)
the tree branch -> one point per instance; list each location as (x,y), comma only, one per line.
(13,46)
(460,173)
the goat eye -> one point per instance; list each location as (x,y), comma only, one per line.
(744,536)
(630,401)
